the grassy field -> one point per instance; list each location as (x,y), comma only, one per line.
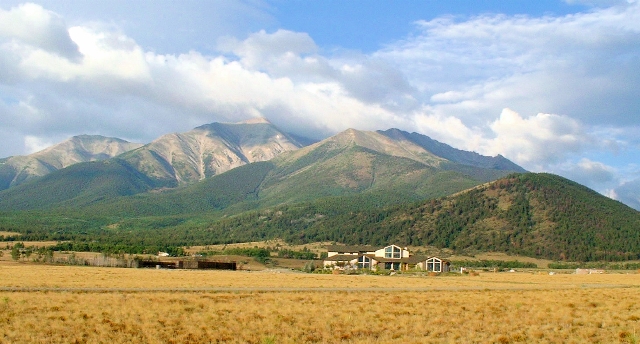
(36,244)
(66,304)
(3,233)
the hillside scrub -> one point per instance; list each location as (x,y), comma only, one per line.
(535,215)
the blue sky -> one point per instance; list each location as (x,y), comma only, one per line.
(551,85)
(369,25)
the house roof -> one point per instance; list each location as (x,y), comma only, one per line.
(409,260)
(415,259)
(342,258)
(355,248)
(443,260)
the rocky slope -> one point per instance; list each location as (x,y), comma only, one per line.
(18,169)
(208,150)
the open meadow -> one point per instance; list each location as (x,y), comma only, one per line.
(66,304)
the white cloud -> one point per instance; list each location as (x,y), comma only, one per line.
(33,25)
(295,56)
(105,55)
(594,174)
(596,171)
(537,141)
(262,47)
(448,129)
(117,85)
(34,144)
(573,78)
(582,65)
(629,193)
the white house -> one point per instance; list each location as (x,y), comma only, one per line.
(390,257)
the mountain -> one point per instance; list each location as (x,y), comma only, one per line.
(18,169)
(536,215)
(170,161)
(449,153)
(383,170)
(357,187)
(208,150)
(354,162)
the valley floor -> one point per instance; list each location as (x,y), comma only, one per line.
(63,304)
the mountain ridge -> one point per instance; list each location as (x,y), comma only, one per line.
(82,148)
(349,162)
(183,158)
(447,152)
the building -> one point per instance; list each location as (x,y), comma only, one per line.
(390,257)
(187,264)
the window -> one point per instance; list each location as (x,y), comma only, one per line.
(392,252)
(364,262)
(434,264)
(392,266)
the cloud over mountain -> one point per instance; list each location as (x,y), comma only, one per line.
(545,91)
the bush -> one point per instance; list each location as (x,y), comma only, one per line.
(500,264)
(309,267)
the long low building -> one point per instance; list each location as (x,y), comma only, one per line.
(390,257)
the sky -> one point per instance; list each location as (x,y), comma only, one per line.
(551,85)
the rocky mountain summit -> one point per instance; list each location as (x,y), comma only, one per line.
(83,148)
(208,150)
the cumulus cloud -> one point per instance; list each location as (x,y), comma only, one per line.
(295,56)
(595,171)
(447,129)
(629,193)
(583,64)
(32,25)
(117,85)
(537,140)
(262,48)
(570,80)
(593,174)
(35,144)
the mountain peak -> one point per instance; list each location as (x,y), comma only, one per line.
(80,148)
(210,149)
(255,120)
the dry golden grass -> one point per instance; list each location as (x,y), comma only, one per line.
(37,244)
(576,316)
(271,307)
(316,247)
(542,263)
(4,244)
(3,233)
(33,275)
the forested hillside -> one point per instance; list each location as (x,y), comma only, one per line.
(537,215)
(16,170)
(93,182)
